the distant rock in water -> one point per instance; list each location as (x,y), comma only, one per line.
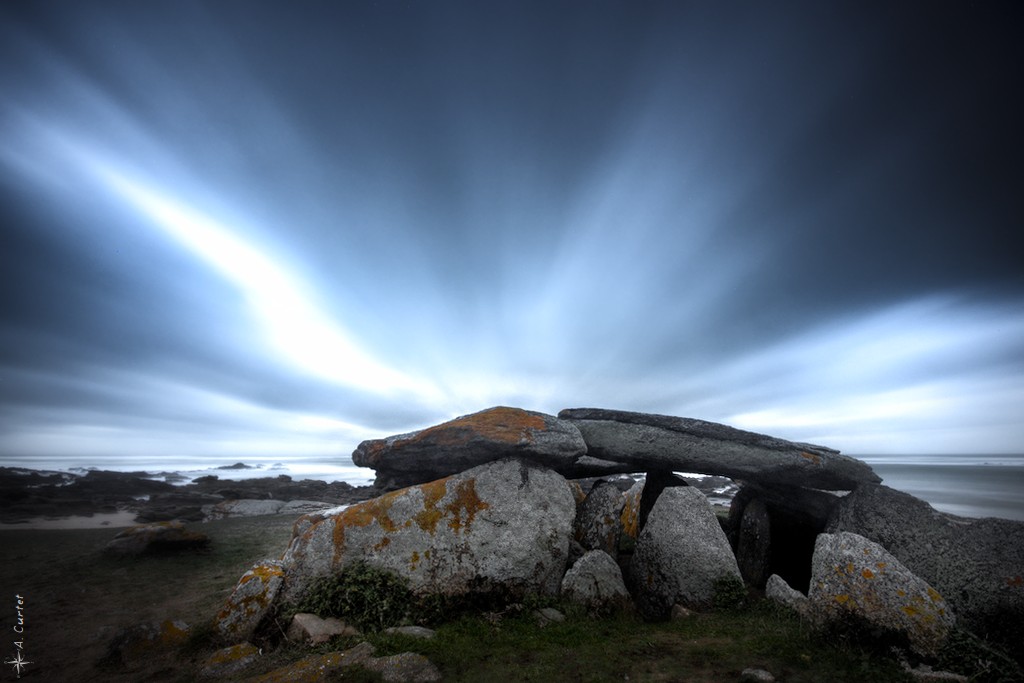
(238,466)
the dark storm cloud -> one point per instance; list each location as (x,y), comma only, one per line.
(229,216)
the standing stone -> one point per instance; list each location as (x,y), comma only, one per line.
(654,483)
(595,582)
(777,590)
(502,527)
(679,444)
(977,564)
(630,517)
(753,548)
(597,525)
(680,555)
(470,441)
(856,584)
(249,603)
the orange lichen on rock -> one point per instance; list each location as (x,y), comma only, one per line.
(502,424)
(816,459)
(373,510)
(1015,582)
(465,501)
(867,573)
(429,516)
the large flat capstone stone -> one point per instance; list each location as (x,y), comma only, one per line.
(469,441)
(660,442)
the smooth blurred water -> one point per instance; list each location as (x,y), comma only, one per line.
(967,485)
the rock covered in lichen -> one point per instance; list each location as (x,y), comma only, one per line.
(229,661)
(470,441)
(252,598)
(503,527)
(597,525)
(857,584)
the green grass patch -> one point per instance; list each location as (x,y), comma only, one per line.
(709,646)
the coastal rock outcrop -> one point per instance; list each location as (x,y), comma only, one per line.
(658,442)
(500,527)
(680,554)
(469,441)
(977,564)
(857,585)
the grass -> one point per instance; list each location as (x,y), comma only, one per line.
(711,646)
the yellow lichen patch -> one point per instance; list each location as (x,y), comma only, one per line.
(880,565)
(384,543)
(934,594)
(467,502)
(849,567)
(816,459)
(414,561)
(842,598)
(630,519)
(373,510)
(429,516)
(173,632)
(262,572)
(902,593)
(867,573)
(910,610)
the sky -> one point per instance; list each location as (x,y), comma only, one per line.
(235,230)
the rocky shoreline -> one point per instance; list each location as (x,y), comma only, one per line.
(27,494)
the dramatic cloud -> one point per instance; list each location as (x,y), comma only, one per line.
(245,230)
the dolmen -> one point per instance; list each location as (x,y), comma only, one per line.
(503,504)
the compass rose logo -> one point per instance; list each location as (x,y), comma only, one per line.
(18,663)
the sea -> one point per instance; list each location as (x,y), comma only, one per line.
(965,485)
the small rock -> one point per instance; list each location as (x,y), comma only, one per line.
(595,581)
(412,632)
(156,537)
(778,590)
(679,612)
(319,667)
(756,676)
(309,628)
(142,640)
(407,667)
(244,508)
(548,615)
(925,674)
(229,660)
